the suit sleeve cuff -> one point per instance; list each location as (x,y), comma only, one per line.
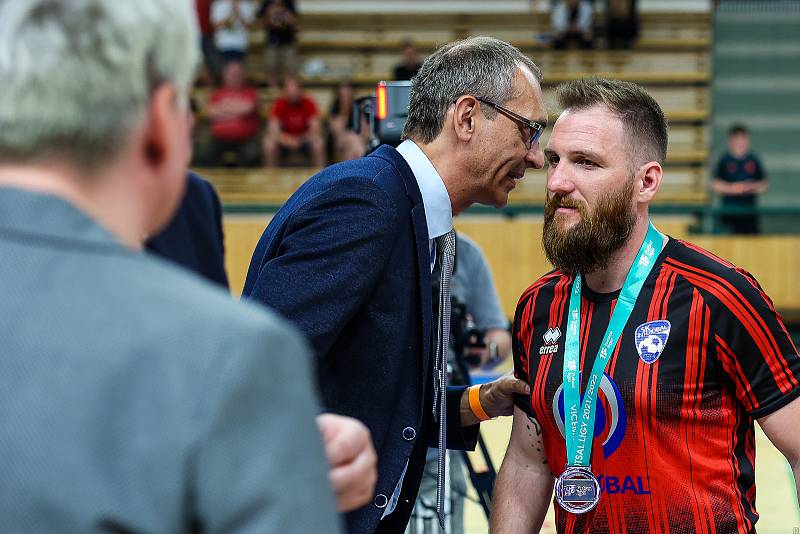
(459,437)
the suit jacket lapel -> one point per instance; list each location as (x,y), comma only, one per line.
(420,225)
(424,269)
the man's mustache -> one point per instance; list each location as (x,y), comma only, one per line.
(558,200)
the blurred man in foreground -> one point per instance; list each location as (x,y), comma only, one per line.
(135,397)
(649,358)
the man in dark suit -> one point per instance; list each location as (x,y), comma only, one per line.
(194,238)
(348,258)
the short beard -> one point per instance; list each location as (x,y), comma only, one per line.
(589,245)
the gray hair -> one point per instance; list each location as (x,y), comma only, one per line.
(479,66)
(77,75)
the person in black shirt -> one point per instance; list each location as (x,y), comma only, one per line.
(279,18)
(738,179)
(411,63)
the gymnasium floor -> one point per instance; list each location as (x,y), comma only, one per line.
(775,499)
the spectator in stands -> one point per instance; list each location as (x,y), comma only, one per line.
(622,23)
(571,20)
(235,123)
(231,21)
(347,144)
(410,64)
(738,179)
(210,54)
(279,18)
(294,126)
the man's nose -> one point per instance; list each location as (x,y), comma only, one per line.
(535,157)
(559,180)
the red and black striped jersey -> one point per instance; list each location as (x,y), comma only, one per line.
(703,354)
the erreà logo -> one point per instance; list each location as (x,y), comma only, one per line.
(550,338)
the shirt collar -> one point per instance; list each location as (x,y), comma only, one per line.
(436,201)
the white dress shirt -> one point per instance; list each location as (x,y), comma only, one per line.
(435,200)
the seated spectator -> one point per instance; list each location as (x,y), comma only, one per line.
(294,126)
(410,64)
(571,20)
(622,23)
(279,18)
(347,144)
(235,123)
(231,20)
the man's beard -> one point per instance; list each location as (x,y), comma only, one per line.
(588,246)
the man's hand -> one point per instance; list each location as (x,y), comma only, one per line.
(497,398)
(352,459)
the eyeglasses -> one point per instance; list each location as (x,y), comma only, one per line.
(536,128)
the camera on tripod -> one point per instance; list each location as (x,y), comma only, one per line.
(385,113)
(465,334)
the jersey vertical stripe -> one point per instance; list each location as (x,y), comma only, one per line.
(744,311)
(703,354)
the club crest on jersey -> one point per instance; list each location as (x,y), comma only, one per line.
(651,338)
(550,338)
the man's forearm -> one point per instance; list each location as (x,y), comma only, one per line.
(521,497)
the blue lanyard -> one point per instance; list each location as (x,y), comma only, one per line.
(579,416)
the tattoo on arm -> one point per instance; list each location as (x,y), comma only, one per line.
(535,435)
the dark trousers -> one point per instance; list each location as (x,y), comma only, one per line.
(741,224)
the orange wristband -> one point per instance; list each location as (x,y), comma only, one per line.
(475,403)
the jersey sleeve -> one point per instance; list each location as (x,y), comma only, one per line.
(522,330)
(753,345)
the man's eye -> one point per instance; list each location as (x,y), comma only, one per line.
(583,162)
(552,161)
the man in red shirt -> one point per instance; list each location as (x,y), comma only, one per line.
(235,124)
(294,125)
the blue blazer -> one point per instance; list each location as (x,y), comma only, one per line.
(194,237)
(347,260)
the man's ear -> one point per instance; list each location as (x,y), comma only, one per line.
(159,128)
(464,120)
(650,180)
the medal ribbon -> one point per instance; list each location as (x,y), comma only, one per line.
(579,415)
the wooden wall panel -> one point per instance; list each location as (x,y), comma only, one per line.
(514,251)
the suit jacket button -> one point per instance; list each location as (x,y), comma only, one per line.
(409,433)
(380,501)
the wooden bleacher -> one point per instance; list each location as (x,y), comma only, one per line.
(671,59)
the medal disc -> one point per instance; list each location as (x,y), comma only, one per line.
(577,490)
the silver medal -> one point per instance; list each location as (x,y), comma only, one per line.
(577,490)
